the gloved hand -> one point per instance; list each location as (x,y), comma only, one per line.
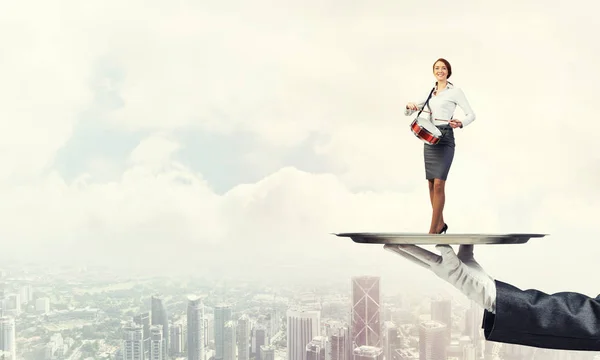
(461,271)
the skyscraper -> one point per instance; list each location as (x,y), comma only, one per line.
(441,311)
(159,317)
(229,341)
(195,329)
(176,338)
(156,343)
(366,326)
(8,340)
(316,349)
(302,327)
(267,352)
(259,338)
(432,341)
(340,342)
(222,316)
(390,339)
(143,320)
(133,342)
(243,340)
(26,294)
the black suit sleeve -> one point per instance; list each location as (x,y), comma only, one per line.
(565,320)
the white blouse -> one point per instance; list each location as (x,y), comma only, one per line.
(443,104)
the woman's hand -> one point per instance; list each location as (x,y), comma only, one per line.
(412,106)
(455,123)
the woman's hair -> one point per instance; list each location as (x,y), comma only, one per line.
(448,66)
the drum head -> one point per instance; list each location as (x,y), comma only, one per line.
(429,126)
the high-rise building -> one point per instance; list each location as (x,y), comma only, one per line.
(243,338)
(267,352)
(366,322)
(473,330)
(340,342)
(196,334)
(157,344)
(26,294)
(11,304)
(133,342)
(42,305)
(229,341)
(302,327)
(55,348)
(209,327)
(316,349)
(8,340)
(432,340)
(259,338)
(222,316)
(390,339)
(368,353)
(274,322)
(176,338)
(441,311)
(160,317)
(143,320)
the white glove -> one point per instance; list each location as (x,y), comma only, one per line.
(462,271)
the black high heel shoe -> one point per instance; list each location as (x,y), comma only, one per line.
(444,229)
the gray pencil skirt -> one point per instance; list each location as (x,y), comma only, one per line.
(438,157)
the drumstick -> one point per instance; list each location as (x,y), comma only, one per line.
(429,112)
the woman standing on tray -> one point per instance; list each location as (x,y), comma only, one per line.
(441,103)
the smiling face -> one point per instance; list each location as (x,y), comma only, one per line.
(440,71)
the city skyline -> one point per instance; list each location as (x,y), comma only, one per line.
(295,325)
(143,338)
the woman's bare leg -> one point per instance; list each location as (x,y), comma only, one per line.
(438,200)
(430,183)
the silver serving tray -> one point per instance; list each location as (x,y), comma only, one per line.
(434,239)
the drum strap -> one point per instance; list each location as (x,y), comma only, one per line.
(426,101)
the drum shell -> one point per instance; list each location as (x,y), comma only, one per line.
(419,128)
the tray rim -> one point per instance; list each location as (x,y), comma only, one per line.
(433,239)
(408,234)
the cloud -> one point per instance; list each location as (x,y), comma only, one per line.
(282,75)
(167,219)
(155,150)
(45,70)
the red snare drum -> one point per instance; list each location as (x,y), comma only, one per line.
(426,131)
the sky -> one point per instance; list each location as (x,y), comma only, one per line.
(229,138)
